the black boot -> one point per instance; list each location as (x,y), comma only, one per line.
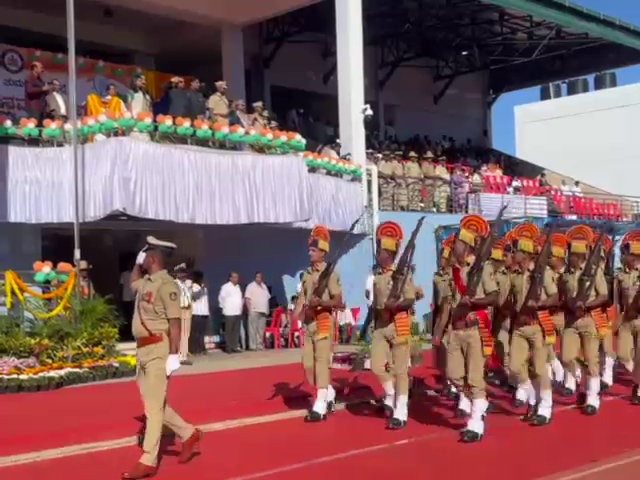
(635,397)
(530,414)
(469,436)
(314,417)
(396,424)
(589,410)
(539,420)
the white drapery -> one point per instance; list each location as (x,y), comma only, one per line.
(489,205)
(176,183)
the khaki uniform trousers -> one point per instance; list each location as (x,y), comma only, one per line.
(383,346)
(386,194)
(414,194)
(581,333)
(629,346)
(525,339)
(441,354)
(152,382)
(316,356)
(185,332)
(607,344)
(502,346)
(465,356)
(558,323)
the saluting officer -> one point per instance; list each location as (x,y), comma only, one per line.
(156,328)
(318,328)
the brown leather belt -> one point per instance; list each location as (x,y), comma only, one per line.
(149,340)
(464,324)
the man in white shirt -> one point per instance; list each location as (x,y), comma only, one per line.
(186,300)
(230,300)
(257,298)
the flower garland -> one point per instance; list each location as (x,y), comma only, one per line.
(13,284)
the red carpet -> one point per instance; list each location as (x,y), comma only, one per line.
(352,444)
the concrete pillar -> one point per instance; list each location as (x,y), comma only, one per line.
(233,61)
(350,53)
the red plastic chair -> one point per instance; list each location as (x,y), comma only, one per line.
(295,328)
(355,313)
(274,328)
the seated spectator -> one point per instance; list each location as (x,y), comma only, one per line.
(576,189)
(515,187)
(565,189)
(110,103)
(542,180)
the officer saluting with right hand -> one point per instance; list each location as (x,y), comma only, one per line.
(156,328)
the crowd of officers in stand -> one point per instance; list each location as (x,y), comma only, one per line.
(509,337)
(403,180)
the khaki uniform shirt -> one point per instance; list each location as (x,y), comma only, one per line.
(86,288)
(441,286)
(397,169)
(382,285)
(310,281)
(428,169)
(520,283)
(218,104)
(157,301)
(628,283)
(503,279)
(442,172)
(385,168)
(412,170)
(570,285)
(488,283)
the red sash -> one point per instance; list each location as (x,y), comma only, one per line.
(481,316)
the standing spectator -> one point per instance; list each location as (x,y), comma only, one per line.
(576,189)
(542,180)
(195,100)
(218,103)
(85,283)
(57,105)
(257,298)
(239,115)
(177,96)
(258,119)
(201,326)
(345,324)
(186,299)
(138,99)
(230,300)
(565,189)
(35,92)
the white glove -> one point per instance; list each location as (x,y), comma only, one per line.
(141,256)
(173,363)
(188,283)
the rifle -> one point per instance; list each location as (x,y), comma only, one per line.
(537,275)
(484,253)
(325,275)
(399,276)
(588,277)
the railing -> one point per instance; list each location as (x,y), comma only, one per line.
(437,195)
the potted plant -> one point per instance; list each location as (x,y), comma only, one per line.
(29,384)
(42,383)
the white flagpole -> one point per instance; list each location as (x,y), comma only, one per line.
(73,117)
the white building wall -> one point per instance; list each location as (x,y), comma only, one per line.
(592,137)
(461,113)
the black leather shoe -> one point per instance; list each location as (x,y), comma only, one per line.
(314,417)
(539,420)
(461,413)
(531,413)
(589,410)
(330,407)
(396,424)
(566,392)
(468,436)
(387,411)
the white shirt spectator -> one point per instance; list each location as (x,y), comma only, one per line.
(576,190)
(565,189)
(185,292)
(230,299)
(200,300)
(345,317)
(61,103)
(369,290)
(258,297)
(128,294)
